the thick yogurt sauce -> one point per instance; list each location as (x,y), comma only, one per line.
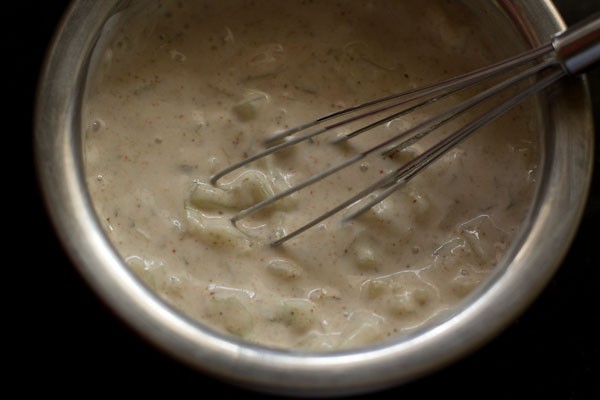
(179,90)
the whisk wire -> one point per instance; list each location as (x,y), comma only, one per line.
(395,180)
(415,134)
(572,51)
(447,87)
(411,169)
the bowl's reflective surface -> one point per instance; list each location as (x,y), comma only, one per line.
(512,289)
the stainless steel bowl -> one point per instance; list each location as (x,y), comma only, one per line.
(518,279)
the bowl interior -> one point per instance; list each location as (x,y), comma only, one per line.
(520,276)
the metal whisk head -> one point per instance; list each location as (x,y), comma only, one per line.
(570,52)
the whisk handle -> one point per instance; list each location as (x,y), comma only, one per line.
(578,47)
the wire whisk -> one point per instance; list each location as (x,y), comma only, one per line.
(570,52)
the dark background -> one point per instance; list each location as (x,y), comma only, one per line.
(69,344)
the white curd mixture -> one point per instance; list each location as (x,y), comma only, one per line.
(179,90)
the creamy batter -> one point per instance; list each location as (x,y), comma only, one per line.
(179,90)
